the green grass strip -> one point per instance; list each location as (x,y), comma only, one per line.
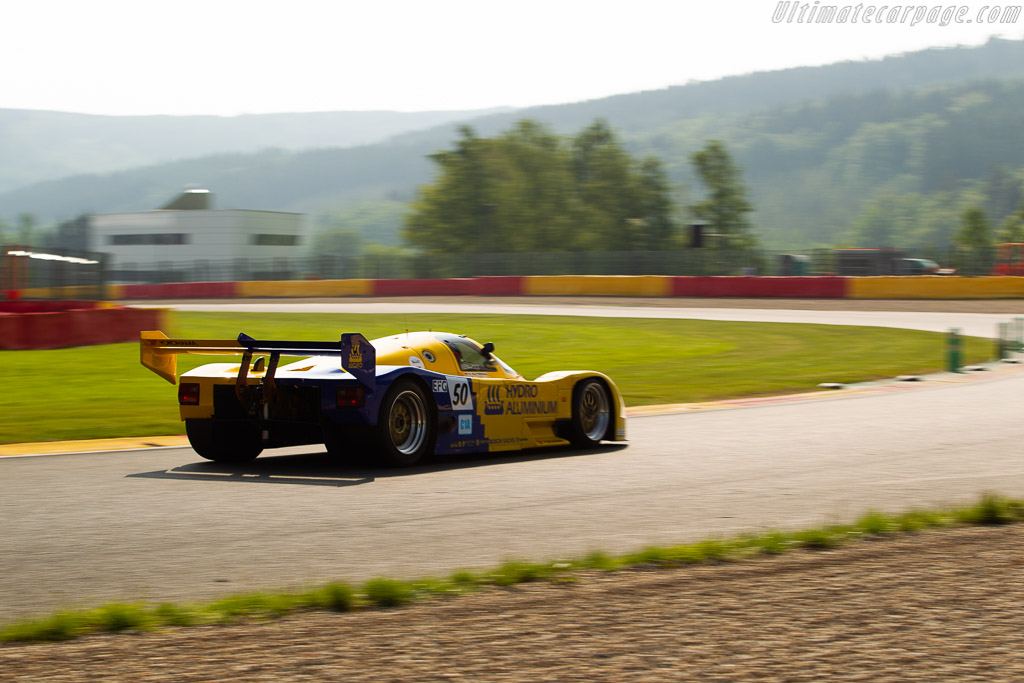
(384,593)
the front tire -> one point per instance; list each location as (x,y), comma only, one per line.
(591,413)
(233,442)
(407,424)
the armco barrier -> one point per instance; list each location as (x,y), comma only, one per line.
(804,287)
(597,285)
(936,287)
(511,285)
(753,287)
(415,287)
(180,290)
(304,288)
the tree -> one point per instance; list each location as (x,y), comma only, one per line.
(529,190)
(455,214)
(1002,192)
(974,229)
(888,221)
(654,206)
(1012,227)
(725,208)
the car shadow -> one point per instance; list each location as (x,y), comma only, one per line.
(319,468)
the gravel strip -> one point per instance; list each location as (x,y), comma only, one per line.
(940,605)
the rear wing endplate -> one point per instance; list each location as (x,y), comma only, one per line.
(159,353)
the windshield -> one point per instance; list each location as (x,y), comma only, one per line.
(470,355)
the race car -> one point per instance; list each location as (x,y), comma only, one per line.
(397,399)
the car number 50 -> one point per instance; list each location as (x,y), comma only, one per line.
(458,389)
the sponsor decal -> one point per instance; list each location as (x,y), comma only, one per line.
(176,342)
(493,404)
(521,399)
(462,397)
(531,407)
(440,386)
(521,390)
(415,362)
(508,440)
(355,355)
(465,424)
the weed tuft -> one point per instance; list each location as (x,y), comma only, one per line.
(169,614)
(513,572)
(252,605)
(875,523)
(597,559)
(338,597)
(60,626)
(387,592)
(116,616)
(818,539)
(772,543)
(991,510)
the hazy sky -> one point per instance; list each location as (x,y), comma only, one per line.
(231,57)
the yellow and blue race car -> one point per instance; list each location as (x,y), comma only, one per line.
(400,398)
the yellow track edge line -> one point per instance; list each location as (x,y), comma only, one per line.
(91,445)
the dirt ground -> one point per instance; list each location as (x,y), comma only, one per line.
(941,605)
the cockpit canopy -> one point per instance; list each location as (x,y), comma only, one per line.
(444,352)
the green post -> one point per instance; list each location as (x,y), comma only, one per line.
(1018,337)
(1003,341)
(953,346)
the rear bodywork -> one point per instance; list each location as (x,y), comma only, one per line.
(479,404)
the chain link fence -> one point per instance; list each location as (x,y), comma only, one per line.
(90,270)
(391,266)
(685,262)
(23,268)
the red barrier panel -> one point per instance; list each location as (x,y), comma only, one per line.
(133,291)
(181,290)
(11,333)
(43,306)
(440,287)
(144,291)
(76,328)
(497,286)
(760,287)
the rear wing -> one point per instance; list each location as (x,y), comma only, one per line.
(159,353)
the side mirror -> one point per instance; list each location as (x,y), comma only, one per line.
(488,349)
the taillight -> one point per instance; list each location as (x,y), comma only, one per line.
(188,394)
(351,397)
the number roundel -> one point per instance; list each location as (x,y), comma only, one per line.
(458,390)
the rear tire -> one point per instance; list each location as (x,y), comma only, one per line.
(591,413)
(234,442)
(407,424)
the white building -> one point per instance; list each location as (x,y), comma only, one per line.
(188,230)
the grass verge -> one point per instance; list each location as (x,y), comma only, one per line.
(383,593)
(103,391)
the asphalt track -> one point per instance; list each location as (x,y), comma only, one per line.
(162,524)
